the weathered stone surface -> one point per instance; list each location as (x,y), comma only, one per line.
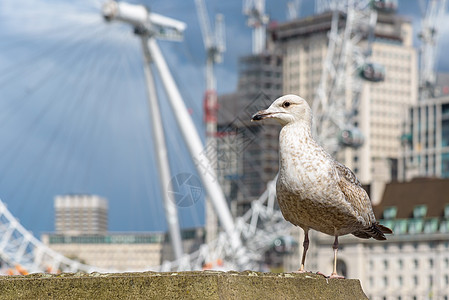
(179,285)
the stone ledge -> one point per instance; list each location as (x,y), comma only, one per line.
(179,285)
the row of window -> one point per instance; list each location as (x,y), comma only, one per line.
(107,239)
(399,68)
(415,263)
(399,281)
(309,74)
(385,138)
(388,92)
(394,80)
(428,163)
(386,114)
(310,60)
(385,125)
(415,246)
(297,49)
(392,54)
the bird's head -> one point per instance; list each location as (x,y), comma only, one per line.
(286,109)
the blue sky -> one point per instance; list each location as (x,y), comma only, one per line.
(73,110)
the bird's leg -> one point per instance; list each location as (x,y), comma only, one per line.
(305,247)
(335,247)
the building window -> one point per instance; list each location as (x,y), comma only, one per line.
(390,212)
(446,211)
(445,133)
(416,263)
(430,227)
(445,163)
(445,109)
(401,264)
(416,226)
(415,280)
(400,227)
(419,211)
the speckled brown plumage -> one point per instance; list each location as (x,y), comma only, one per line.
(313,190)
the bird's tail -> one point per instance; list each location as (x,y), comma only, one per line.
(376,231)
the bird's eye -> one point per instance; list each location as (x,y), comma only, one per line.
(286,104)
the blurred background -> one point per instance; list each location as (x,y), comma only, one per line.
(80,172)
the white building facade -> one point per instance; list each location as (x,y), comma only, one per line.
(80,214)
(402,267)
(113,251)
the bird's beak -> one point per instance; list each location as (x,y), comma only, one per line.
(260,115)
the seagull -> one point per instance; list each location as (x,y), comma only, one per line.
(315,191)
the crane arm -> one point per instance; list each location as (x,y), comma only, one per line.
(204,23)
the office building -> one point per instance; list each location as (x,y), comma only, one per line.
(425,140)
(111,251)
(122,251)
(81,234)
(80,214)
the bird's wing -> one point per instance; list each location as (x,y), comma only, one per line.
(354,193)
(347,174)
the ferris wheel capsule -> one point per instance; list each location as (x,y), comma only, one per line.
(284,244)
(388,6)
(372,72)
(351,137)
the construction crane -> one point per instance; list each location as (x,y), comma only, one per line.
(432,17)
(215,45)
(258,20)
(293,9)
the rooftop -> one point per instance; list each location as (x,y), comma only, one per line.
(420,206)
(322,23)
(406,196)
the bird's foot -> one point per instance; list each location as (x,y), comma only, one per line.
(319,273)
(301,271)
(333,275)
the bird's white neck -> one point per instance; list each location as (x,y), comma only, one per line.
(300,129)
(295,140)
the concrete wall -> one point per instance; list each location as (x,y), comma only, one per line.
(181,285)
